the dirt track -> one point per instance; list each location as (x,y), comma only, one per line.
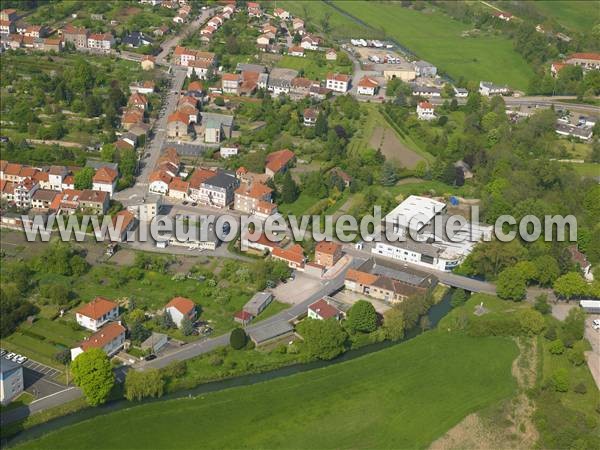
(384,139)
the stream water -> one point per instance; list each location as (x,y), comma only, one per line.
(435,314)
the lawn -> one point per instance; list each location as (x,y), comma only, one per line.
(587,169)
(438,38)
(401,397)
(313,65)
(577,15)
(299,207)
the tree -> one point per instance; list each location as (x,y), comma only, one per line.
(139,332)
(560,380)
(393,324)
(108,152)
(547,269)
(556,347)
(57,293)
(459,297)
(187,327)
(528,270)
(321,127)
(531,321)
(574,325)
(576,355)
(166,321)
(511,285)
(83,178)
(362,317)
(324,339)
(238,338)
(289,189)
(541,304)
(388,174)
(570,285)
(142,384)
(92,373)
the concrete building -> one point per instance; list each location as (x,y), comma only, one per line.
(11,380)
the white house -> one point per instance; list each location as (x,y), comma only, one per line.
(105,179)
(367,86)
(281,13)
(179,308)
(109,338)
(227,152)
(488,88)
(460,92)
(159,182)
(96,313)
(323,310)
(11,380)
(310,42)
(425,111)
(337,82)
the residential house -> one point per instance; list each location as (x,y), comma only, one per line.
(124,222)
(583,133)
(200,67)
(260,243)
(327,253)
(180,308)
(178,126)
(36,31)
(460,92)
(367,86)
(132,117)
(281,14)
(310,42)
(280,80)
(487,88)
(138,100)
(198,176)
(501,15)
(7,27)
(159,182)
(9,14)
(11,380)
(319,92)
(425,111)
(136,39)
(66,202)
(337,82)
(43,198)
(109,338)
(95,202)
(264,39)
(148,62)
(23,192)
(310,117)
(339,173)
(216,127)
(298,26)
(293,256)
(300,86)
(426,91)
(279,161)
(228,152)
(179,188)
(242,317)
(331,55)
(105,179)
(323,310)
(77,36)
(230,83)
(96,313)
(249,195)
(588,61)
(296,51)
(254,9)
(100,41)
(219,190)
(147,87)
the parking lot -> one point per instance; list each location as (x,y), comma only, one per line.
(38,378)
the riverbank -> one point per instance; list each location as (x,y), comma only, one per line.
(221,369)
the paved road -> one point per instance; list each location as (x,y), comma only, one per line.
(57,399)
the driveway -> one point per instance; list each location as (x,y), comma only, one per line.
(296,291)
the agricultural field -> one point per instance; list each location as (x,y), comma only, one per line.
(313,65)
(577,15)
(437,38)
(402,397)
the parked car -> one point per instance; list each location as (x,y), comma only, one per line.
(150,357)
(11,355)
(596,324)
(20,359)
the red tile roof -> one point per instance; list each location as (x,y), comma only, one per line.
(177,184)
(338,77)
(294,254)
(594,56)
(255,190)
(97,308)
(179,116)
(182,304)
(327,247)
(360,277)
(160,175)
(425,105)
(367,82)
(199,176)
(104,336)
(105,175)
(243,315)
(276,161)
(324,309)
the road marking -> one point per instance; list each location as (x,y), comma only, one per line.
(52,395)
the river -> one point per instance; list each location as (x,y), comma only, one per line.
(435,314)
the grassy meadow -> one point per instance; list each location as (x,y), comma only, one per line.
(401,397)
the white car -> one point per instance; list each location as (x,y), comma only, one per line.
(596,324)
(11,355)
(21,359)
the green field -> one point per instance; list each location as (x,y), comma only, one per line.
(575,15)
(312,66)
(437,38)
(405,396)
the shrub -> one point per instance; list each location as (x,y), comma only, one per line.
(551,333)
(580,389)
(556,347)
(362,317)
(237,339)
(576,354)
(459,297)
(215,360)
(560,380)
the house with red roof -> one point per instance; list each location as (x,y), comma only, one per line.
(337,82)
(588,61)
(110,339)
(96,313)
(248,195)
(425,111)
(180,308)
(123,222)
(159,182)
(367,86)
(178,126)
(105,179)
(293,256)
(328,253)
(323,310)
(243,317)
(279,161)
(179,188)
